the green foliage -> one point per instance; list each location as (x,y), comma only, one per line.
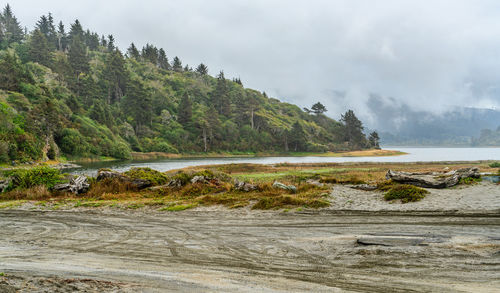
(406,193)
(469,181)
(84,94)
(155,177)
(495,165)
(28,178)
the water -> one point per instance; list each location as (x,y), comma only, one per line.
(414,155)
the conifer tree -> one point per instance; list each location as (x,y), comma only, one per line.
(297,138)
(62,38)
(185,111)
(115,76)
(76,30)
(137,104)
(318,108)
(150,53)
(177,65)
(39,50)
(13,33)
(374,140)
(163,60)
(220,97)
(46,26)
(202,69)
(132,52)
(111,43)
(353,129)
(77,56)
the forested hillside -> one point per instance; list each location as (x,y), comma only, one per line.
(71,92)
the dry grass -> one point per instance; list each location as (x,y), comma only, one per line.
(39,192)
(113,193)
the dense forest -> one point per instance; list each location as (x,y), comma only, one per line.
(71,92)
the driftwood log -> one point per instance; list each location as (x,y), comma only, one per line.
(433,180)
(76,185)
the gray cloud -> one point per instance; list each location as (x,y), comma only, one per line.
(427,54)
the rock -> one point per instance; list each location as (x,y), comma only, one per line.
(280,185)
(77,185)
(365,187)
(433,180)
(199,179)
(315,182)
(244,186)
(4,184)
(136,183)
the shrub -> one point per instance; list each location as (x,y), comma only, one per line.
(155,177)
(120,150)
(165,148)
(469,180)
(406,193)
(495,165)
(27,178)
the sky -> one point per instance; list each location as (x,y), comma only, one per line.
(430,55)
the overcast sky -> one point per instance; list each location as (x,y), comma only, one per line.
(428,54)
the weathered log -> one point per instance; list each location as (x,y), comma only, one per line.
(77,185)
(280,185)
(244,186)
(433,180)
(4,184)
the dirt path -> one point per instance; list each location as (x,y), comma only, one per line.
(220,251)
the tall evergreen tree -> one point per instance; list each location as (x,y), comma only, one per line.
(202,69)
(177,65)
(77,56)
(150,53)
(115,76)
(132,52)
(185,111)
(46,26)
(353,129)
(297,138)
(220,97)
(62,38)
(75,31)
(111,43)
(318,108)
(374,140)
(163,60)
(137,104)
(39,50)
(13,32)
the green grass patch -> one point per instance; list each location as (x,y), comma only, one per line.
(153,176)
(470,181)
(11,204)
(406,193)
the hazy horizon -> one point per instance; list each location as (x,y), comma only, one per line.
(429,56)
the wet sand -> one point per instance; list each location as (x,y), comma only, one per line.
(453,247)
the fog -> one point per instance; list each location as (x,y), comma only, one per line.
(430,55)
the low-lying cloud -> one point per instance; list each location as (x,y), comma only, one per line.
(427,54)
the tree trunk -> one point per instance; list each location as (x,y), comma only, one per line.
(205,139)
(251,120)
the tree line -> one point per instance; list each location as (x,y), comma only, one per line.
(73,92)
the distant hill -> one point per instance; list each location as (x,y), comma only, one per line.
(71,92)
(400,125)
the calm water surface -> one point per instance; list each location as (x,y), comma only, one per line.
(414,155)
